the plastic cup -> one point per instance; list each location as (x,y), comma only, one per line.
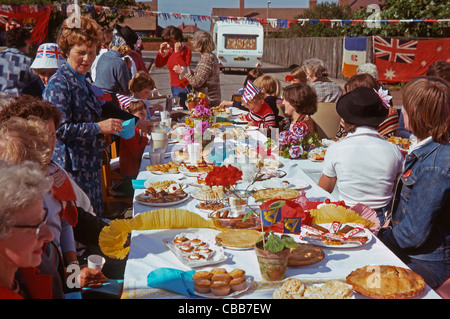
(96,262)
(194,151)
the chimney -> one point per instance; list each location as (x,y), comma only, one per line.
(312,3)
(241,8)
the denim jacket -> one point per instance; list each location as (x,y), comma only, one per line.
(420,224)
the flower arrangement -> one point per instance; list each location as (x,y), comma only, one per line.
(201,118)
(194,99)
(225,175)
(297,142)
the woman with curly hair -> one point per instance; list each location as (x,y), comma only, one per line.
(80,134)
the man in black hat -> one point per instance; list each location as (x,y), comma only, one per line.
(363,165)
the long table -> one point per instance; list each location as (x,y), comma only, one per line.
(148,251)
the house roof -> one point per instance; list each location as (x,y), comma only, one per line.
(274,13)
(147,23)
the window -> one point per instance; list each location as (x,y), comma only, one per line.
(240,42)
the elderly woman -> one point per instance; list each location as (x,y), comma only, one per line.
(300,102)
(71,217)
(317,74)
(419,230)
(48,59)
(206,76)
(80,134)
(23,231)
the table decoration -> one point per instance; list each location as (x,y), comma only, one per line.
(297,142)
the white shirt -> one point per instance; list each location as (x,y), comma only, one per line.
(366,167)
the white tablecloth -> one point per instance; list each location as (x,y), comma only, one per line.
(148,251)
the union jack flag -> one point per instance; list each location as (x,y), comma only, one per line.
(49,51)
(394,50)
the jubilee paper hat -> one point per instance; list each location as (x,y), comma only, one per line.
(250,91)
(48,56)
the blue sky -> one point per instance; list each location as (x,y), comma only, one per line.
(204,7)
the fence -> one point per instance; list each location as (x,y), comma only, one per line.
(289,51)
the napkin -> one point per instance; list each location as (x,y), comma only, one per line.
(138,183)
(127,129)
(111,287)
(174,280)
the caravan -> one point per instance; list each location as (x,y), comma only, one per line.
(239,44)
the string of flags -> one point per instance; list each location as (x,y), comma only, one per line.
(280,23)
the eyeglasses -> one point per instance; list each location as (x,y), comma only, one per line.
(38,227)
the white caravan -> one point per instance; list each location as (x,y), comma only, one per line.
(239,44)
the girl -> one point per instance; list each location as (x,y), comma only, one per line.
(300,102)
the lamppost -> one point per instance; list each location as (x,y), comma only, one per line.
(267,24)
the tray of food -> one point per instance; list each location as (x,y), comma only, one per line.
(195,250)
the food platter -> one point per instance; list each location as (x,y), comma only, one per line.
(330,241)
(248,280)
(162,178)
(285,183)
(216,255)
(143,199)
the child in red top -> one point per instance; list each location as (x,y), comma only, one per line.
(130,151)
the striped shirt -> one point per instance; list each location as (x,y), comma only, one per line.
(264,117)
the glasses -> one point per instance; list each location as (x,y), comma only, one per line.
(38,227)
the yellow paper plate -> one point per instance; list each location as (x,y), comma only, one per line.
(330,213)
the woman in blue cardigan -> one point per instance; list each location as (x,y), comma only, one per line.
(80,135)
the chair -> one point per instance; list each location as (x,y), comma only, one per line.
(114,203)
(326,119)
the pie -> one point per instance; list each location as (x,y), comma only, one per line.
(386,282)
(305,254)
(276,193)
(238,238)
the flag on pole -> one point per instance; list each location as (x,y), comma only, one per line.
(402,59)
(292,225)
(354,55)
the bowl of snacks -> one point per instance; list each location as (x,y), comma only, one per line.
(230,218)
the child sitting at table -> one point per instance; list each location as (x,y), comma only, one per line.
(271,88)
(300,102)
(131,150)
(140,86)
(260,114)
(363,165)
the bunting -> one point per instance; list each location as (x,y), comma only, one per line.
(280,23)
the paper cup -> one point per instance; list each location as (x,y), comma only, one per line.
(155,157)
(194,151)
(164,115)
(96,262)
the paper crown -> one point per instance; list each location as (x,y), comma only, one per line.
(250,91)
(48,56)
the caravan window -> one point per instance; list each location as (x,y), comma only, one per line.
(240,41)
